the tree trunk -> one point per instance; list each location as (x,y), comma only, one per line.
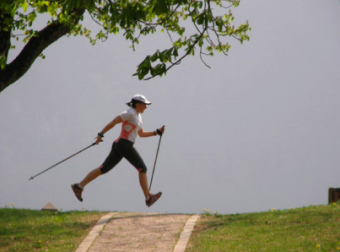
(36,45)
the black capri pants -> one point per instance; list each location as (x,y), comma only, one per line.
(123,149)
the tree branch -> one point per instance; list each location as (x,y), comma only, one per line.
(5,36)
(187,53)
(22,63)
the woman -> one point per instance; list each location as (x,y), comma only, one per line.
(123,147)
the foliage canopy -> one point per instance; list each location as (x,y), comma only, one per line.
(135,18)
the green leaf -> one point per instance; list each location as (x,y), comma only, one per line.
(175,53)
(161,7)
(155,56)
(24,6)
(201,18)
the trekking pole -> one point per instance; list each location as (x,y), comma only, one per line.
(61,161)
(154,166)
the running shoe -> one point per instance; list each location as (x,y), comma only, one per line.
(153,198)
(77,191)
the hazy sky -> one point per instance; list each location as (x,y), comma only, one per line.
(259,130)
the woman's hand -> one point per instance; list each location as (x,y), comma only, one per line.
(98,139)
(161,130)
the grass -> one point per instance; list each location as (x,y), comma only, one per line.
(32,230)
(315,228)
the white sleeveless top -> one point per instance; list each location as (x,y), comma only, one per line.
(132,123)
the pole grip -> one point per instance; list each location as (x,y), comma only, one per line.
(160,132)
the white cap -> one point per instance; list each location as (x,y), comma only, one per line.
(141,98)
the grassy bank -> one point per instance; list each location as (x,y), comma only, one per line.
(315,228)
(31,230)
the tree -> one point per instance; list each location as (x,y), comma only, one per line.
(134,17)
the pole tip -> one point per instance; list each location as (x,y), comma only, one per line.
(31,178)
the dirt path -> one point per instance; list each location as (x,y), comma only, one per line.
(140,232)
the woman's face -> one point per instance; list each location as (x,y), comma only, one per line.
(140,107)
